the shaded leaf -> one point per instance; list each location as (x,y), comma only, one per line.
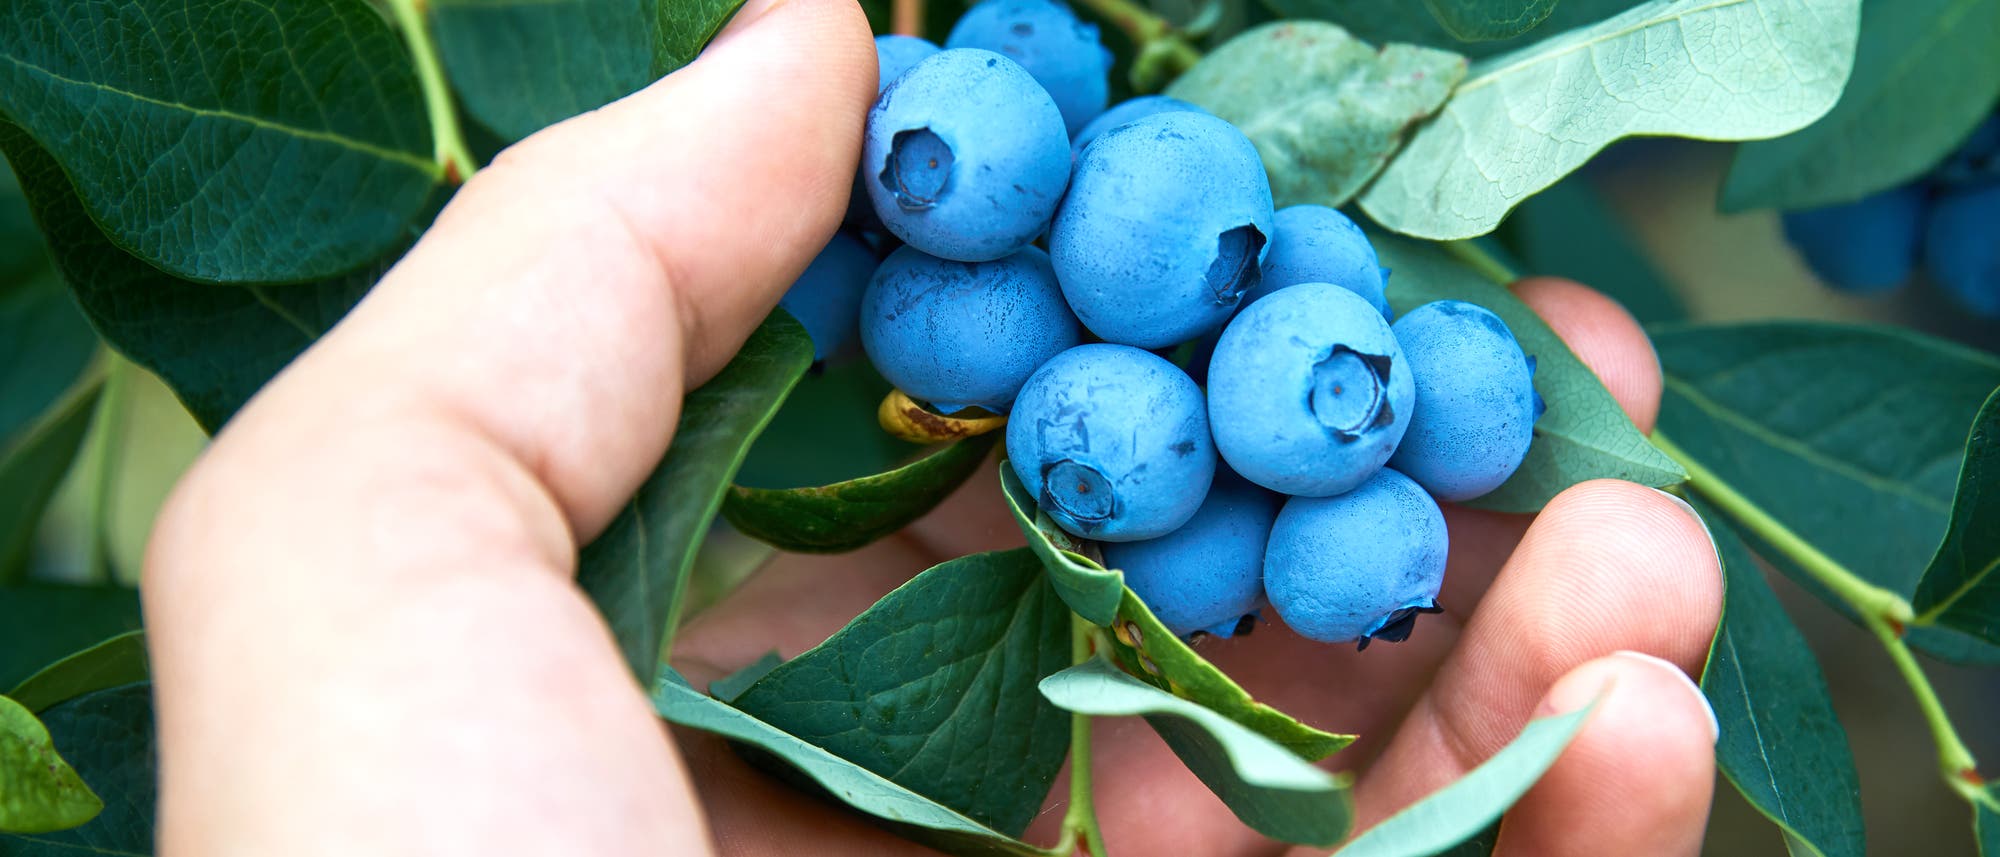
(1273,791)
(226,140)
(1709,69)
(108,737)
(1584,434)
(1961,588)
(42,623)
(116,662)
(909,814)
(1380,22)
(1326,110)
(22,252)
(1926,73)
(637,569)
(826,432)
(1466,808)
(928,688)
(728,687)
(44,344)
(1569,231)
(848,515)
(1087,587)
(1826,425)
(32,467)
(1782,746)
(39,792)
(519,67)
(1986,826)
(1486,20)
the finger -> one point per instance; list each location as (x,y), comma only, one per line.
(1608,566)
(1638,778)
(1605,337)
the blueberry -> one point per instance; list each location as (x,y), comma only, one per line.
(1113,443)
(1308,391)
(958,334)
(1209,574)
(1316,244)
(827,297)
(1163,229)
(1475,412)
(1977,160)
(966,156)
(1126,112)
(1962,247)
(1046,38)
(895,54)
(1359,566)
(1866,247)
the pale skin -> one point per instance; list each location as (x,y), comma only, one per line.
(366,638)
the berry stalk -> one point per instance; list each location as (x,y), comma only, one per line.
(1163,49)
(1080,834)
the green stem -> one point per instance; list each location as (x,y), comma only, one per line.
(1479,260)
(100,464)
(1955,761)
(451,152)
(1164,51)
(1079,827)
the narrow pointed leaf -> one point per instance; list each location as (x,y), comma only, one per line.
(1485,20)
(32,466)
(848,515)
(41,623)
(39,791)
(116,662)
(1961,589)
(108,738)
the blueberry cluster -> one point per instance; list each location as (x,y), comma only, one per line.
(1304,471)
(1944,222)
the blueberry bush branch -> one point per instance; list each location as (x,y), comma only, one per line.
(1079,827)
(447,137)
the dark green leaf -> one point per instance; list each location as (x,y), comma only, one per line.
(1781,745)
(1986,826)
(1379,22)
(1584,435)
(214,346)
(521,66)
(908,813)
(826,433)
(1273,791)
(1326,110)
(1925,73)
(1569,231)
(1850,436)
(39,792)
(853,514)
(32,466)
(22,251)
(116,662)
(226,140)
(44,346)
(1465,808)
(927,688)
(1084,585)
(43,623)
(728,687)
(1486,20)
(1961,589)
(108,737)
(1709,69)
(638,568)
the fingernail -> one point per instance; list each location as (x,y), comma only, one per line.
(1714,725)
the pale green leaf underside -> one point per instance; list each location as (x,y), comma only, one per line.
(39,791)
(1708,69)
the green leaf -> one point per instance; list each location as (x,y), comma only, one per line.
(853,514)
(1465,808)
(42,623)
(118,661)
(1087,587)
(214,346)
(226,140)
(1850,436)
(1986,826)
(826,432)
(39,792)
(1781,745)
(1377,21)
(1925,74)
(1569,231)
(1270,789)
(1326,110)
(1584,435)
(44,346)
(32,467)
(909,814)
(1961,588)
(638,568)
(22,251)
(108,737)
(1709,69)
(1486,20)
(731,686)
(927,688)
(519,67)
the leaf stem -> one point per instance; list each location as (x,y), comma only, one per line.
(451,152)
(1479,260)
(1164,51)
(1079,828)
(101,467)
(1955,761)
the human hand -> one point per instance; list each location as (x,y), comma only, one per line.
(364,628)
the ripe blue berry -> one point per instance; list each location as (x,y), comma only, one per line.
(1308,391)
(826,299)
(1475,413)
(895,54)
(1046,38)
(966,157)
(1163,229)
(1977,160)
(1359,566)
(1209,574)
(1316,244)
(957,334)
(1866,247)
(1126,112)
(1113,443)
(1962,247)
